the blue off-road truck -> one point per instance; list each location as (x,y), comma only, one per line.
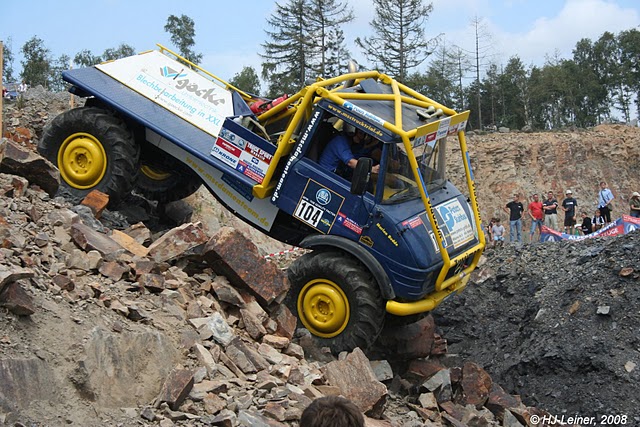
(395,242)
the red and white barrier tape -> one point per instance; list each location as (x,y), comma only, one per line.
(293,249)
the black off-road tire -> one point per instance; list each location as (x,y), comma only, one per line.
(162,185)
(102,132)
(358,287)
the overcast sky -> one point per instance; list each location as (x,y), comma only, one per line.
(230,33)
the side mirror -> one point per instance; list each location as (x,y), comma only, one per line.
(361,176)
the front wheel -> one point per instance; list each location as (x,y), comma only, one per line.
(337,300)
(93,149)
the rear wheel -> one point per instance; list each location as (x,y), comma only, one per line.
(94,150)
(337,300)
(165,185)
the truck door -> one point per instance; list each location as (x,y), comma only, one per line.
(316,196)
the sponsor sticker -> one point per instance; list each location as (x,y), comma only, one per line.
(348,223)
(456,222)
(366,240)
(443,128)
(245,157)
(221,153)
(413,222)
(323,196)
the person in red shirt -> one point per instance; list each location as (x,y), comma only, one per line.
(537,216)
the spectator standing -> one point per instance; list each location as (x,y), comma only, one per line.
(498,233)
(634,205)
(332,411)
(537,216)
(550,208)
(585,227)
(597,222)
(492,222)
(22,88)
(515,210)
(569,207)
(605,197)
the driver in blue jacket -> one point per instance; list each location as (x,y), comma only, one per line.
(343,151)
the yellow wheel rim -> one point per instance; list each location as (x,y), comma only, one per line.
(82,161)
(323,308)
(154,174)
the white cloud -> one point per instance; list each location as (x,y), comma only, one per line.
(578,19)
(552,31)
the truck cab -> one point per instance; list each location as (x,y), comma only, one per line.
(407,224)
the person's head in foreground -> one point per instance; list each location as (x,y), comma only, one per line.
(332,411)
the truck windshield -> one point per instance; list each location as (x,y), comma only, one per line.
(400,184)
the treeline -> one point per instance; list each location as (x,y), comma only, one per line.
(305,41)
(601,79)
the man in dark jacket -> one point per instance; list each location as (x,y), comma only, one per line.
(515,209)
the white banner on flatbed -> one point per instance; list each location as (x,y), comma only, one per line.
(174,86)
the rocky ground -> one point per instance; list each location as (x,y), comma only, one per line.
(145,317)
(557,324)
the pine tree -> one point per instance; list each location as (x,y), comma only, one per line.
(305,42)
(285,54)
(399,43)
(328,48)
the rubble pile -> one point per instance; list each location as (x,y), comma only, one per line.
(26,117)
(556,323)
(182,328)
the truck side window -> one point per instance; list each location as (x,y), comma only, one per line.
(324,134)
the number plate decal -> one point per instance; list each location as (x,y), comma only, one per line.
(318,206)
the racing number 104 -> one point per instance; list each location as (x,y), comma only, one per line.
(308,213)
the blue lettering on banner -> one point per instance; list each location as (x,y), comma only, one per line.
(152,84)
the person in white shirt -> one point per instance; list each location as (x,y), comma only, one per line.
(605,197)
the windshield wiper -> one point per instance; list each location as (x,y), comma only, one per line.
(402,195)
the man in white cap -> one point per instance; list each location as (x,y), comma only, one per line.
(634,204)
(569,207)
